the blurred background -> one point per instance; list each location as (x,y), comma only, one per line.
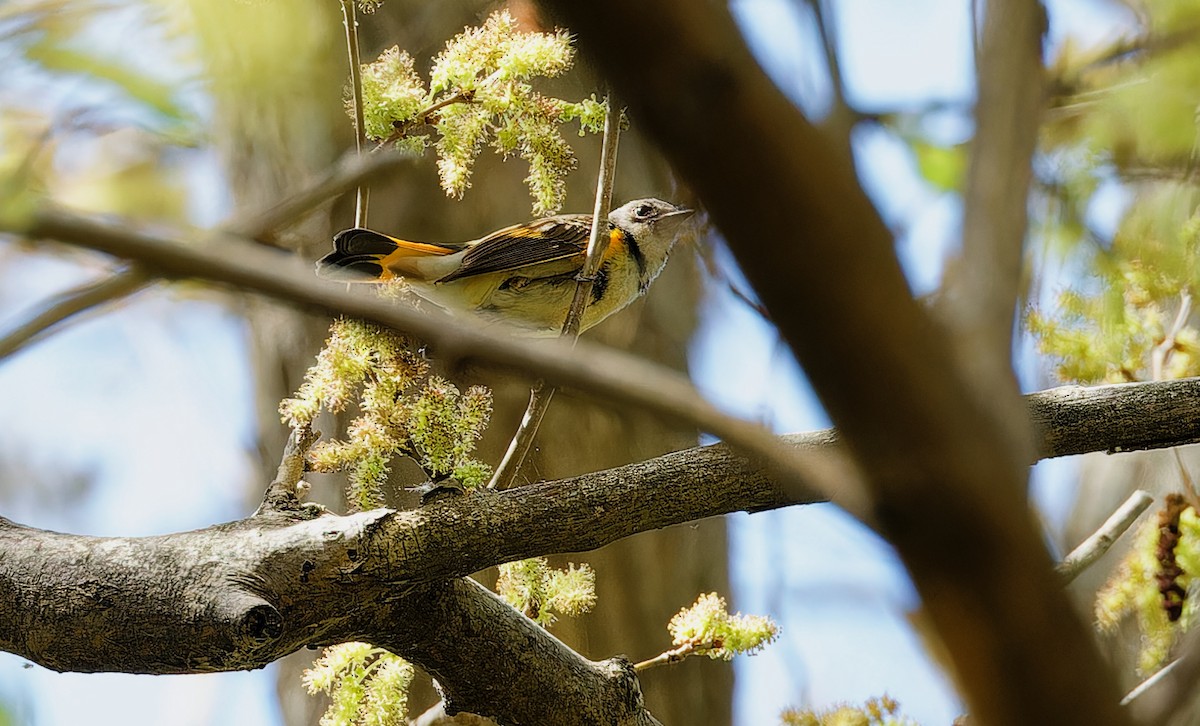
(157,412)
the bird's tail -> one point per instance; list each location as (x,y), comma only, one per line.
(361,255)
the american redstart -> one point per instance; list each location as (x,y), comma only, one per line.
(524,274)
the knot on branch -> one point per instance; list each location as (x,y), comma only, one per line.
(261,623)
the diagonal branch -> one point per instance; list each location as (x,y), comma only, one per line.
(609,375)
(945,478)
(1094,547)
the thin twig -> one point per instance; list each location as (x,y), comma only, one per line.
(1094,547)
(1157,699)
(1149,683)
(841,118)
(350,19)
(283,493)
(675,655)
(71,303)
(1189,486)
(541,394)
(598,238)
(1161,354)
(423,115)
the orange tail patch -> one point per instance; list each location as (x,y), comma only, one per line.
(362,255)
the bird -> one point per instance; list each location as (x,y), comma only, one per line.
(525,274)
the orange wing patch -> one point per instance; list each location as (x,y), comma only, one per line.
(398,263)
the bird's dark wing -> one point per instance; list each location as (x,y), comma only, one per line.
(552,238)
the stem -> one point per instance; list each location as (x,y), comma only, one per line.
(424,114)
(1161,354)
(598,240)
(676,654)
(1149,683)
(541,395)
(351,22)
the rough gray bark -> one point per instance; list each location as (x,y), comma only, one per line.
(238,595)
(241,595)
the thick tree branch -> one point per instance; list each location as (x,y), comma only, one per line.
(947,484)
(610,375)
(240,595)
(456,535)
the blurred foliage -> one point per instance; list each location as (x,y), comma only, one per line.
(403,411)
(543,593)
(883,711)
(111,149)
(1122,121)
(479,93)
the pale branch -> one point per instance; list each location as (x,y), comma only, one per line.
(1160,696)
(1149,684)
(606,374)
(1102,540)
(350,20)
(505,475)
(69,304)
(541,394)
(598,236)
(436,715)
(945,481)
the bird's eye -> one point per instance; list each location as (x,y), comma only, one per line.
(644,211)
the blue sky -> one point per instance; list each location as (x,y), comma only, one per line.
(164,387)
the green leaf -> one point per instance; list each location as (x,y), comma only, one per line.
(944,167)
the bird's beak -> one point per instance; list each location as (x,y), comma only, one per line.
(679,212)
